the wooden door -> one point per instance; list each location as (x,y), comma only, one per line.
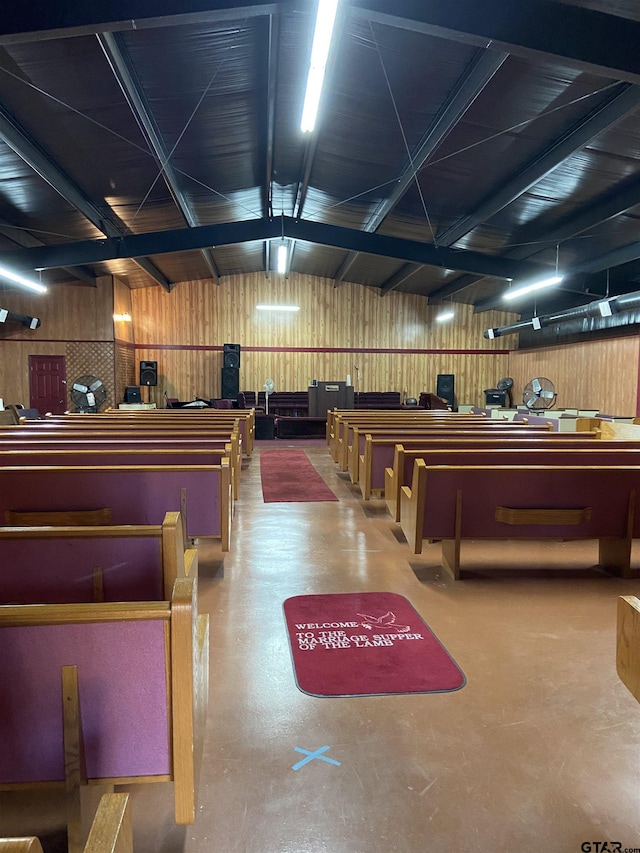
(48,383)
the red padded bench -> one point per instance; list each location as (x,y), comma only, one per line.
(139,494)
(60,565)
(142,671)
(458,503)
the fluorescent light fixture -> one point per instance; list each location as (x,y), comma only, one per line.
(605,309)
(122,318)
(23,282)
(529,288)
(282,258)
(325,21)
(278,307)
(446,315)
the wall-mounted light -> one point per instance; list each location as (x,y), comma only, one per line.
(446,315)
(530,288)
(122,318)
(21,280)
(278,307)
(323,32)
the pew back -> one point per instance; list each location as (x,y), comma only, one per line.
(142,670)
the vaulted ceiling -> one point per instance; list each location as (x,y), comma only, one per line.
(459,144)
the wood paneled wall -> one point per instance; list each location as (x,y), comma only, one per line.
(600,375)
(393,341)
(69,313)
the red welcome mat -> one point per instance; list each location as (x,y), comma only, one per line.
(365,644)
(289,475)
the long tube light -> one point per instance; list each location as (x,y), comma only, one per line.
(323,33)
(278,307)
(23,282)
(530,288)
(444,316)
(281,262)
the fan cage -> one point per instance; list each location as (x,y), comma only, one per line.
(88,393)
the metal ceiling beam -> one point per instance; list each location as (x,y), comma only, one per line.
(102,217)
(614,258)
(115,50)
(27,240)
(478,74)
(603,44)
(613,204)
(625,99)
(398,278)
(185,239)
(22,22)
(273,46)
(273,40)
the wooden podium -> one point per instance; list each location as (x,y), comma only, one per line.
(329,395)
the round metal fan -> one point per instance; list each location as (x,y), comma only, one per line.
(539,394)
(88,393)
(506,385)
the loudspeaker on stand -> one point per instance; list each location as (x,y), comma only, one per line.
(231,355)
(148,372)
(445,388)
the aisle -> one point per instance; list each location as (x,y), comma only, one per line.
(538,751)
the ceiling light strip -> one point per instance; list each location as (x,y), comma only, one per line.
(323,33)
(278,307)
(530,288)
(23,282)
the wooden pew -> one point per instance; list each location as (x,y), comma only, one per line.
(86,454)
(82,442)
(334,415)
(138,494)
(142,691)
(356,447)
(457,503)
(111,830)
(60,565)
(628,643)
(401,472)
(241,420)
(358,436)
(343,426)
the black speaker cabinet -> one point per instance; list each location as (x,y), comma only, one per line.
(445,388)
(132,394)
(231,355)
(148,372)
(230,383)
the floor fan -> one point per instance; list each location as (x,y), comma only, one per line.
(539,394)
(268,390)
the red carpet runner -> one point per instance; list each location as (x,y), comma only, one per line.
(363,644)
(288,475)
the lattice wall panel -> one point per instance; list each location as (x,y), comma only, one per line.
(95,358)
(125,369)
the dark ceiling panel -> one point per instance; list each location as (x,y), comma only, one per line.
(508,179)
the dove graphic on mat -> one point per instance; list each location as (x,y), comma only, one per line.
(381,622)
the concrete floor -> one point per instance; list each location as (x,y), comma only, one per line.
(538,752)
